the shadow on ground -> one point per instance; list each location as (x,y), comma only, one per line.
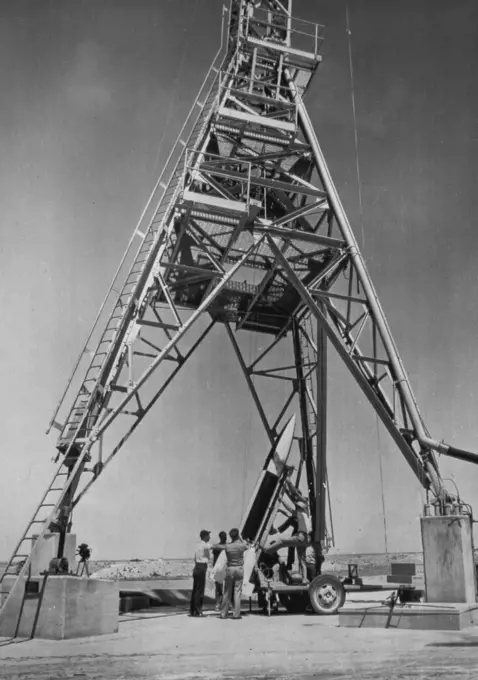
(13,641)
(462,643)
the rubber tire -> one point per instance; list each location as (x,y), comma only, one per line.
(319,582)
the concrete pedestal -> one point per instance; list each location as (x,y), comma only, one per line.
(48,549)
(448,559)
(62,607)
(450,584)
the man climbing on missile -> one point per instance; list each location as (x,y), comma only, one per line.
(298,518)
(297,543)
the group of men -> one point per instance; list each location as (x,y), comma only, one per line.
(300,544)
(205,557)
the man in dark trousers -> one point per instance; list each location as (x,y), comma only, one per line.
(216,551)
(202,557)
(234,574)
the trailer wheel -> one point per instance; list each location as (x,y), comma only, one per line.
(327,594)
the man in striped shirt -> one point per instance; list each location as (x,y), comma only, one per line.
(202,557)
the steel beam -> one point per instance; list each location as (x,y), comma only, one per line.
(271,434)
(399,374)
(180,333)
(413,458)
(321,491)
(296,235)
(145,410)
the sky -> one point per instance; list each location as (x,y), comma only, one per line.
(94,93)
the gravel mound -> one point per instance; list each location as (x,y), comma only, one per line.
(143,570)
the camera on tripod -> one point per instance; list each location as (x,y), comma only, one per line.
(84,551)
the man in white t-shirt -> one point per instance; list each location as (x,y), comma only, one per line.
(202,558)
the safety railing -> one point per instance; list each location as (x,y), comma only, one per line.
(278,96)
(285,30)
(143,225)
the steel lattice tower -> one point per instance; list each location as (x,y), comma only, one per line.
(244,226)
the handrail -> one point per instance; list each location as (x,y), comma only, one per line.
(136,230)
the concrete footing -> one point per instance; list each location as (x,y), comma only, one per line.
(60,607)
(450,583)
(448,559)
(436,616)
(47,549)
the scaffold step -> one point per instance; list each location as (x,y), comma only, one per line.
(242,116)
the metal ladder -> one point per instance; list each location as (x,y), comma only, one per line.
(35,531)
(46,502)
(135,282)
(137,277)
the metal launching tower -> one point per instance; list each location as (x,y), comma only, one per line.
(244,226)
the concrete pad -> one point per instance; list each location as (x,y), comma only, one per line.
(285,647)
(62,607)
(413,616)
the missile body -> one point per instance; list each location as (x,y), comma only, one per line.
(262,508)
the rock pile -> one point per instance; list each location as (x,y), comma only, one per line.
(134,570)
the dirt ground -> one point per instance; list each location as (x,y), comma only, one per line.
(168,644)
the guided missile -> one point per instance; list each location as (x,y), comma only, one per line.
(263,505)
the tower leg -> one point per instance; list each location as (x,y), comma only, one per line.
(321,459)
